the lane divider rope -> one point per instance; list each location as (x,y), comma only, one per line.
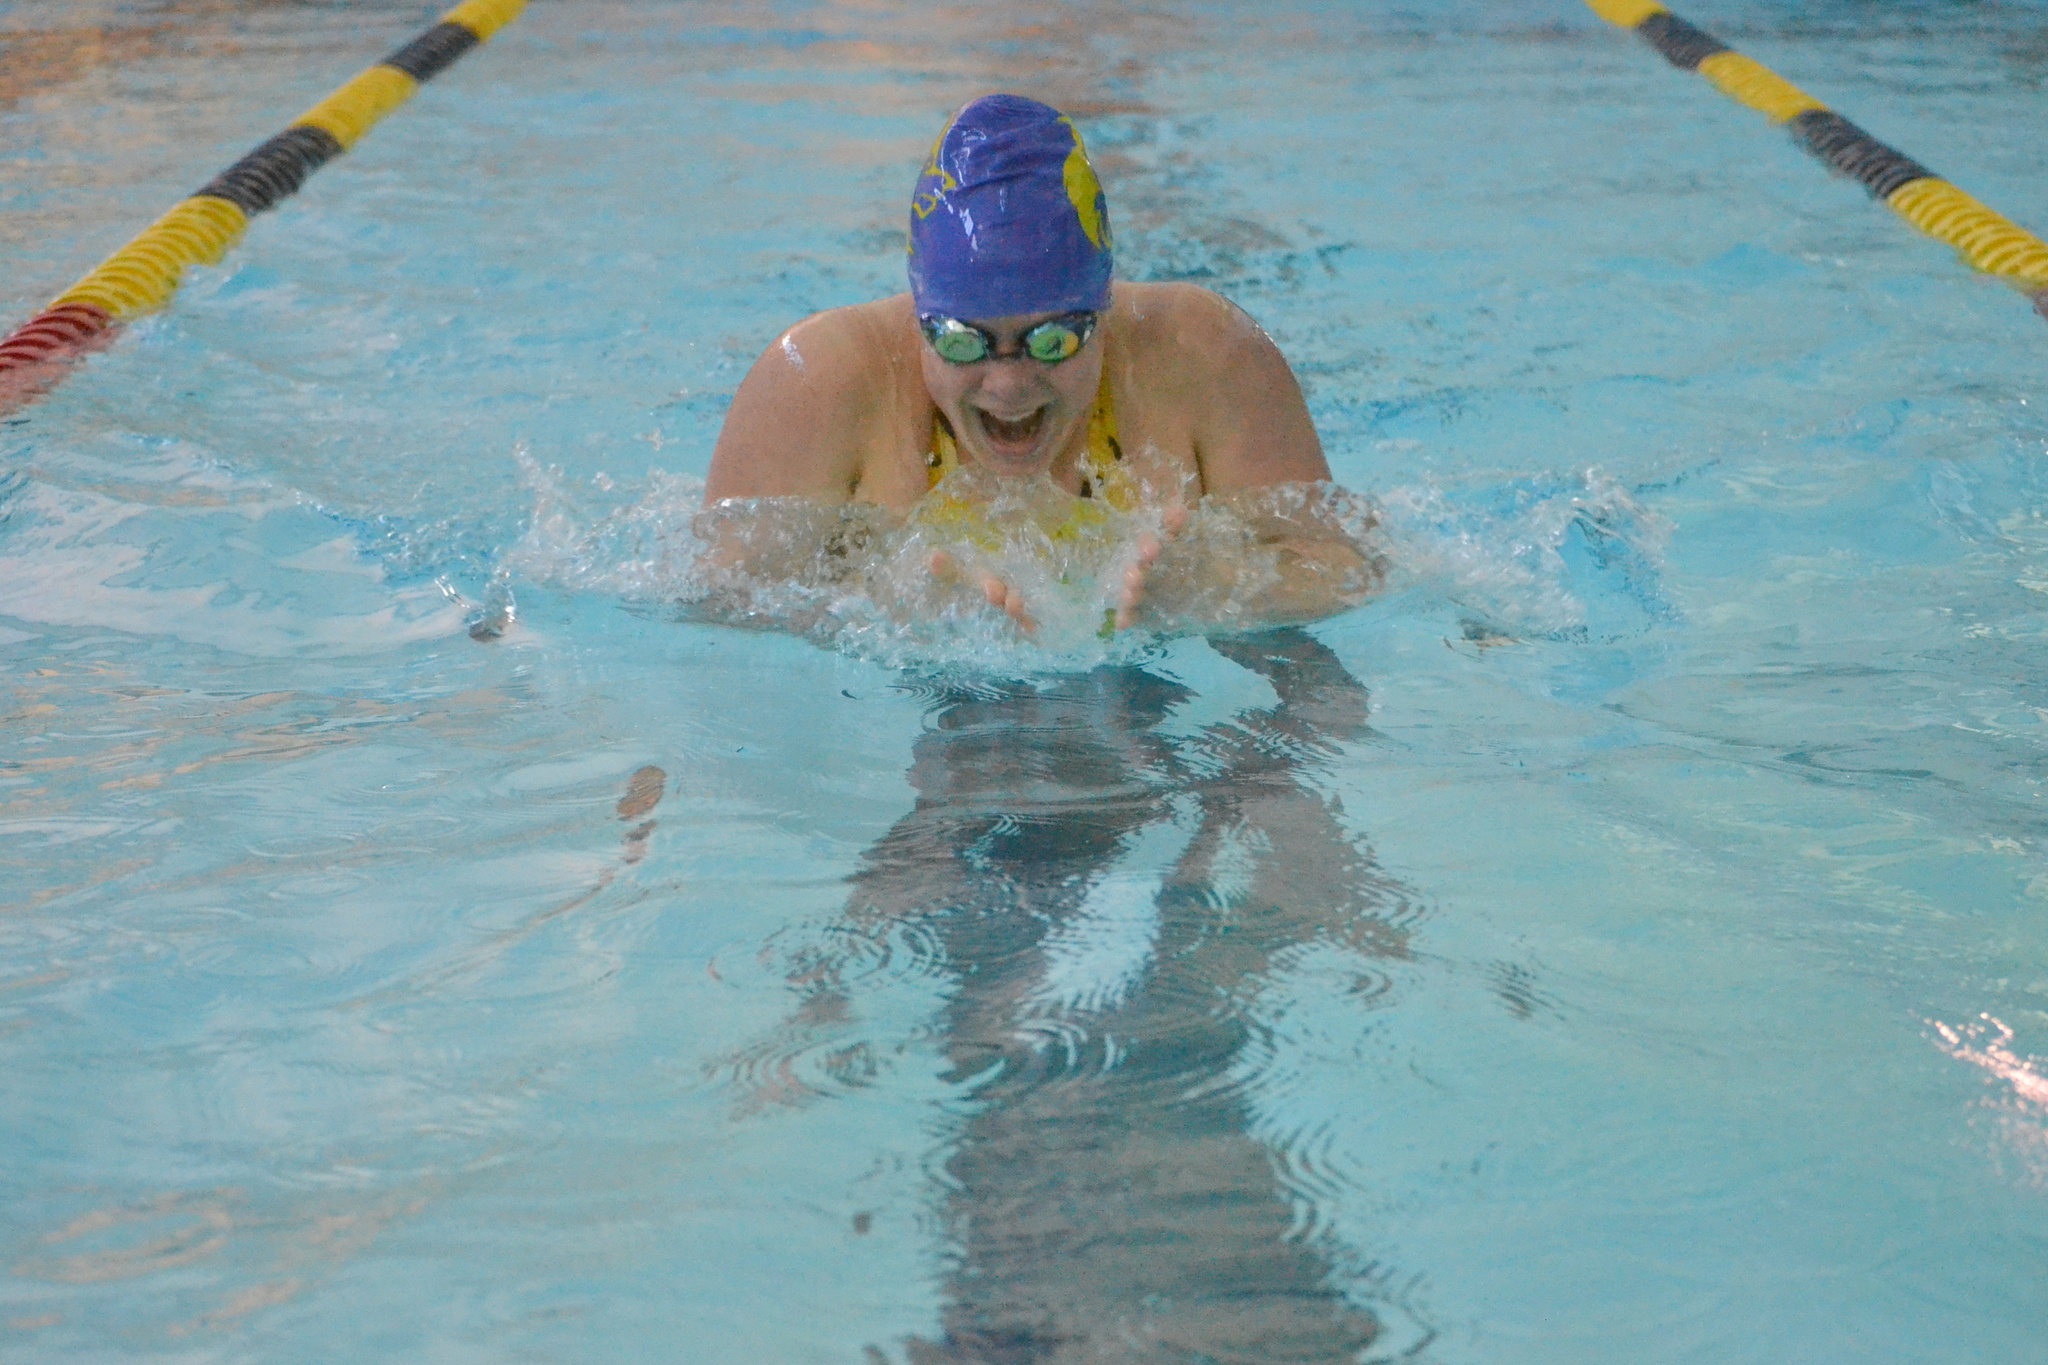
(1985,239)
(144,274)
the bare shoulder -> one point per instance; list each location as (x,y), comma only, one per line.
(1212,359)
(1194,335)
(1181,312)
(803,417)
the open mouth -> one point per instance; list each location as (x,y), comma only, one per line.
(1013,435)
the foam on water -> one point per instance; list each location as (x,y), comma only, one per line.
(1561,556)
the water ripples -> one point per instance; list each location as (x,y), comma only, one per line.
(823,1049)
(818,1053)
(1567,557)
(1122,928)
(126,1242)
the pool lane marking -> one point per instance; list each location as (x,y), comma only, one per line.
(1984,238)
(200,230)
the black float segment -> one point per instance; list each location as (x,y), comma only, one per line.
(433,52)
(274,171)
(1855,153)
(1985,239)
(1682,45)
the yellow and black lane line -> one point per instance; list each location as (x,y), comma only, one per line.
(1985,239)
(146,272)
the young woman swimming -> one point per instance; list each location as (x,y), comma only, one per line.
(1017,353)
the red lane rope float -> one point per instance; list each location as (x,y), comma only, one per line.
(1985,239)
(144,274)
(60,328)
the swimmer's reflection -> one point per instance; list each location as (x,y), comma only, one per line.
(1109,900)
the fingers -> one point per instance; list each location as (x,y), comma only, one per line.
(1145,553)
(1012,602)
(945,568)
(1006,599)
(1133,592)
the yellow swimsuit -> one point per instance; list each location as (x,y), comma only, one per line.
(1103,474)
(1106,484)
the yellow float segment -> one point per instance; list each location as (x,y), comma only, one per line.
(1759,87)
(484,17)
(354,109)
(1984,238)
(145,273)
(1625,13)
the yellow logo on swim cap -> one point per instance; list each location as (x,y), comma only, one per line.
(1084,191)
(934,180)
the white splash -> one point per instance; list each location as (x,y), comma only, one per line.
(1498,548)
(859,578)
(1967,1044)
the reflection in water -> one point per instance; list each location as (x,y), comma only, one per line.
(1108,899)
(1967,1044)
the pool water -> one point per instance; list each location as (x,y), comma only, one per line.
(1625,938)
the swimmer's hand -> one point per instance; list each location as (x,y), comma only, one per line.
(1172,522)
(1002,596)
(1265,555)
(1006,597)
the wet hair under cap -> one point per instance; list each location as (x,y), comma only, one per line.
(1008,218)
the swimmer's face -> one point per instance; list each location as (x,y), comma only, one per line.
(1015,415)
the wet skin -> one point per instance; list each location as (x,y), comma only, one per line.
(841,408)
(1010,413)
(1023,418)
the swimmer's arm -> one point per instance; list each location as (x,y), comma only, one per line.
(1252,432)
(1249,558)
(1251,424)
(794,431)
(796,426)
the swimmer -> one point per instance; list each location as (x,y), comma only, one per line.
(1017,353)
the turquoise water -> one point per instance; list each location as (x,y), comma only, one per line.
(1626,939)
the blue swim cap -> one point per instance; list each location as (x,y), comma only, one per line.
(1008,218)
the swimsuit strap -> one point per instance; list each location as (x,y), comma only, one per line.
(1102,464)
(1102,470)
(944,456)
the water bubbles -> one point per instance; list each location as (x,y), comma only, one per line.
(1571,557)
(912,589)
(640,551)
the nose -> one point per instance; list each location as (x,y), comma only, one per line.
(1012,379)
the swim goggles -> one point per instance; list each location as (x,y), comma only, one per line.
(1050,342)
